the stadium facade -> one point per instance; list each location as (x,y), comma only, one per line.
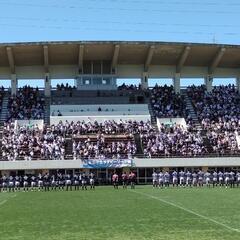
(96,66)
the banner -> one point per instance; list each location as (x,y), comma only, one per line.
(107,163)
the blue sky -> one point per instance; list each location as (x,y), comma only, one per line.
(205,21)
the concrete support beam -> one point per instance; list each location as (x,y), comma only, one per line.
(182,59)
(115,57)
(208,82)
(144,80)
(11,59)
(176,83)
(215,62)
(80,59)
(149,58)
(47,85)
(238,83)
(14,84)
(46,58)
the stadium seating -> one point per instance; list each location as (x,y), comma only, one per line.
(217,112)
(27,104)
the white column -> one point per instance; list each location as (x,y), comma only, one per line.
(176,82)
(47,85)
(79,82)
(238,83)
(208,82)
(14,84)
(144,80)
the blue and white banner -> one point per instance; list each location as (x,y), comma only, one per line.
(107,163)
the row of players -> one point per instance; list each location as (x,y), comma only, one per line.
(188,178)
(60,181)
(47,181)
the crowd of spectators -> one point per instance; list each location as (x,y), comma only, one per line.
(219,114)
(219,108)
(65,87)
(130,87)
(109,127)
(31,142)
(166,103)
(173,140)
(27,104)
(223,142)
(218,111)
(102,149)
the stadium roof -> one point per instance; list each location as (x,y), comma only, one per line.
(120,52)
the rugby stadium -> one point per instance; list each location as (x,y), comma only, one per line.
(99,160)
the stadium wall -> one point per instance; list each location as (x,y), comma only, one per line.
(137,163)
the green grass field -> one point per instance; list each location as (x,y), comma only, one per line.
(105,213)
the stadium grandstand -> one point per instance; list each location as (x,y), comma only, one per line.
(99,125)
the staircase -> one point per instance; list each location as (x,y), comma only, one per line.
(138,144)
(3,114)
(69,148)
(191,110)
(47,110)
(153,118)
(206,141)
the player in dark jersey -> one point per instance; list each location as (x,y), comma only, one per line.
(11,183)
(40,182)
(84,181)
(53,180)
(60,179)
(4,183)
(232,179)
(92,180)
(25,183)
(17,183)
(68,182)
(46,181)
(76,182)
(33,183)
(0,183)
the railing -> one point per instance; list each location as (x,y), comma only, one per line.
(138,156)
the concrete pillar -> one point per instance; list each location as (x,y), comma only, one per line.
(14,84)
(238,83)
(78,82)
(176,83)
(144,80)
(208,82)
(47,85)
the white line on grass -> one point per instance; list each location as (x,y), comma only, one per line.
(4,201)
(189,211)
